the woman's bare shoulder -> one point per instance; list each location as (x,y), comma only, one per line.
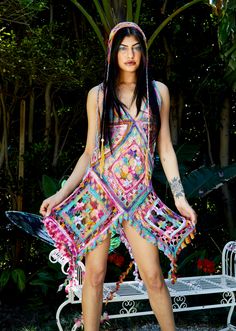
(93,91)
(95,95)
(162,87)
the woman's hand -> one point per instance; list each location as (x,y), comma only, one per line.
(49,203)
(186,210)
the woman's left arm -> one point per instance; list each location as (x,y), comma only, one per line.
(168,158)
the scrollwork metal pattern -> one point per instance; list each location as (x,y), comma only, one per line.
(179,302)
(128,307)
(227,297)
(55,256)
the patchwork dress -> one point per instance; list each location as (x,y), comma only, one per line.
(103,201)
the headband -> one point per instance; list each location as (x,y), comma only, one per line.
(118,27)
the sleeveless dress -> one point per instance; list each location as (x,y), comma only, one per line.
(103,201)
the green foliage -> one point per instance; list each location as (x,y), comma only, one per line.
(105,10)
(49,186)
(190,262)
(44,55)
(17,275)
(34,6)
(19,278)
(115,242)
(202,181)
(91,21)
(230,75)
(227,39)
(170,18)
(4,278)
(198,182)
(21,12)
(47,278)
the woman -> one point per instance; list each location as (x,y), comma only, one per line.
(127,115)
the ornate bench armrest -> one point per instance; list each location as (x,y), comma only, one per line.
(229,259)
(56,257)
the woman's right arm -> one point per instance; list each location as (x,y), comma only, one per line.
(79,171)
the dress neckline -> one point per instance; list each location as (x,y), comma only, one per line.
(136,118)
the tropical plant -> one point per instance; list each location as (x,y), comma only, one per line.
(17,275)
(47,277)
(225,12)
(110,14)
(199,263)
(197,182)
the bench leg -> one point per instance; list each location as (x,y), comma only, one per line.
(230,327)
(59,312)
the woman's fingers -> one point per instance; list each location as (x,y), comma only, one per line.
(193,217)
(187,211)
(48,204)
(45,208)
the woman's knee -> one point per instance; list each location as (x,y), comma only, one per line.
(95,275)
(154,280)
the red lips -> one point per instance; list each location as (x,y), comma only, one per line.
(130,63)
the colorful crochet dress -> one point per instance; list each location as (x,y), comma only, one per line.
(103,201)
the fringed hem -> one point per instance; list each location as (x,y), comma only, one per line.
(68,248)
(74,253)
(171,252)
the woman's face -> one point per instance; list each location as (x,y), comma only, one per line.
(129,54)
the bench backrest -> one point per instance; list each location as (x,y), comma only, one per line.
(229,259)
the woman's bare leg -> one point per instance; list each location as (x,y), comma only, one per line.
(92,293)
(147,258)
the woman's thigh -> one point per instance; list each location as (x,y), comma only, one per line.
(145,254)
(96,262)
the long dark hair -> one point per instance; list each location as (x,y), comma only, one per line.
(110,100)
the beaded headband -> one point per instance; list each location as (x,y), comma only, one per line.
(113,32)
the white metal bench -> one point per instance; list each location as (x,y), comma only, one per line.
(131,292)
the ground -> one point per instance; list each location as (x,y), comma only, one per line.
(43,319)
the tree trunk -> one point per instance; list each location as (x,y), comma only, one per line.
(163,8)
(224,133)
(180,109)
(169,58)
(75,24)
(2,149)
(21,156)
(174,121)
(4,152)
(31,113)
(209,148)
(48,107)
(57,137)
(119,13)
(224,161)
(176,106)
(51,16)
